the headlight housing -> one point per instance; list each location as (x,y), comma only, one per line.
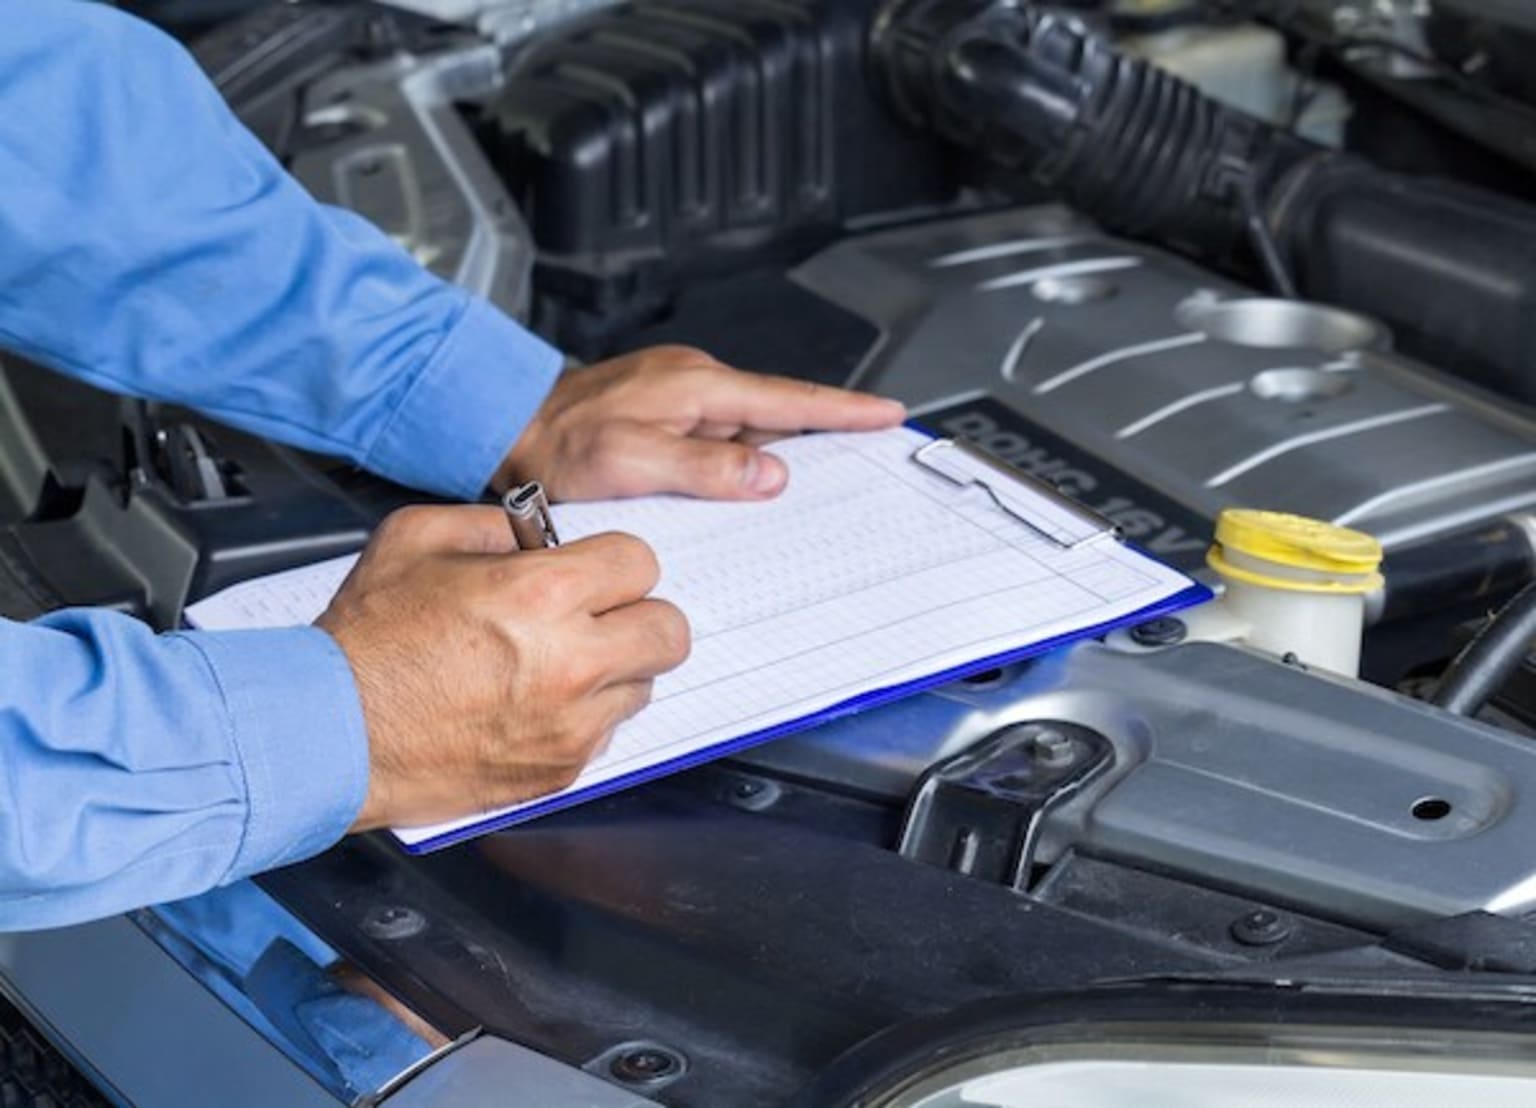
(1201,1046)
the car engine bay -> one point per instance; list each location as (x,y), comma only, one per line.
(1172,257)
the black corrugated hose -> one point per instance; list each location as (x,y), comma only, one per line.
(1491,657)
(1143,152)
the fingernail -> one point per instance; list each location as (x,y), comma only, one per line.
(764,474)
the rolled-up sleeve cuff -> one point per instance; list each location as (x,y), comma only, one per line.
(467,407)
(297,728)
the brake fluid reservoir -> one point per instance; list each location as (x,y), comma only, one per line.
(1298,584)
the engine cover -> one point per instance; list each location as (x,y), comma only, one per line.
(1158,394)
(1025,328)
(1335,796)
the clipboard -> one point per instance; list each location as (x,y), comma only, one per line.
(1040,507)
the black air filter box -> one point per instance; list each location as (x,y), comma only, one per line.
(668,140)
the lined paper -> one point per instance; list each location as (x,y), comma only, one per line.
(868,573)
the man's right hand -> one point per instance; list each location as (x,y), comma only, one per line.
(489,677)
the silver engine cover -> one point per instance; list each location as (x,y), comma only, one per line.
(1235,769)
(1210,395)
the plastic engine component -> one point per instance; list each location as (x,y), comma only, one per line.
(1331,795)
(1451,267)
(1026,328)
(659,142)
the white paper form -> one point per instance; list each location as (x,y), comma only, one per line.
(867,574)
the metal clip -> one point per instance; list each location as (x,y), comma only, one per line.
(1038,504)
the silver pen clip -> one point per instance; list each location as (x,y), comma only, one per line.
(1042,507)
(527,511)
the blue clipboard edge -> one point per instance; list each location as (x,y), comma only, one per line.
(1195,594)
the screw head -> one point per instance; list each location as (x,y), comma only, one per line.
(1163,631)
(753,793)
(645,1065)
(1261,927)
(393,922)
(1054,749)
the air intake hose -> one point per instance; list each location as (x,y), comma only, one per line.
(1141,151)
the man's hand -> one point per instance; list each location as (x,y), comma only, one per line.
(672,419)
(489,677)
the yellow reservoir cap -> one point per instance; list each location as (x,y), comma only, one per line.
(1322,557)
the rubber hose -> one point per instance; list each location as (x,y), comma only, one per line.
(1143,152)
(1491,657)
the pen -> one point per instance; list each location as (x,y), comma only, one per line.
(528,512)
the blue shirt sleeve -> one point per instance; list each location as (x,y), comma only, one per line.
(151,246)
(137,768)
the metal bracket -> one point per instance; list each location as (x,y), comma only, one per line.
(979,812)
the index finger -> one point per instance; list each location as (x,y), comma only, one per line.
(603,572)
(448,529)
(765,403)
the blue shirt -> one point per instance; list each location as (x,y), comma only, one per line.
(149,245)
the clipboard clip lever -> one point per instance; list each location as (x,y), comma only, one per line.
(1034,502)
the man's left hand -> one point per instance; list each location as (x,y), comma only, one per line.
(672,419)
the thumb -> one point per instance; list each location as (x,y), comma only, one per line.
(710,469)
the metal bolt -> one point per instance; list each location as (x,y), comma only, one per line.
(1054,749)
(1261,927)
(645,1065)
(753,793)
(1163,631)
(393,922)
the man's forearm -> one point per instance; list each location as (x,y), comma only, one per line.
(137,768)
(148,244)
